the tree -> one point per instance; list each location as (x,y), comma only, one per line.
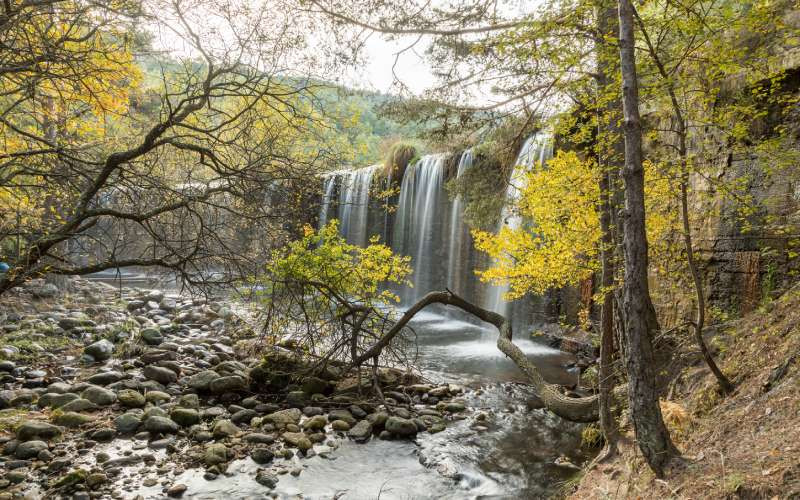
(651,433)
(108,169)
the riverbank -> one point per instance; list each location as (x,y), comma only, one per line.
(744,445)
(114,393)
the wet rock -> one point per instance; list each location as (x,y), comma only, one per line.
(70,479)
(102,435)
(99,395)
(7,366)
(154,356)
(160,425)
(225,428)
(70,323)
(201,381)
(243,416)
(202,436)
(310,411)
(185,416)
(232,383)
(105,378)
(51,400)
(29,449)
(361,432)
(401,426)
(176,490)
(151,336)
(357,412)
(160,374)
(189,401)
(96,479)
(157,397)
(378,419)
(100,350)
(262,455)
(216,453)
(342,415)
(316,422)
(16,476)
(79,405)
(340,425)
(297,440)
(213,413)
(283,418)
(451,406)
(131,399)
(72,420)
(33,429)
(258,438)
(267,479)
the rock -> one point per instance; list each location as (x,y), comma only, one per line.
(378,419)
(258,438)
(96,479)
(267,479)
(157,397)
(29,449)
(401,426)
(160,425)
(361,432)
(342,415)
(185,416)
(340,425)
(72,420)
(243,416)
(32,429)
(201,381)
(151,336)
(315,385)
(297,399)
(127,423)
(298,440)
(69,323)
(176,490)
(100,350)
(7,366)
(51,400)
(16,476)
(262,455)
(310,411)
(105,378)
(70,479)
(79,405)
(357,412)
(45,291)
(215,454)
(451,406)
(102,435)
(131,399)
(160,374)
(99,395)
(315,423)
(189,401)
(283,418)
(225,428)
(232,383)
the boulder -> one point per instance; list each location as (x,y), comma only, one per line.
(232,383)
(361,432)
(201,381)
(51,400)
(105,378)
(29,449)
(215,454)
(315,423)
(283,418)
(160,374)
(342,415)
(262,455)
(99,395)
(340,425)
(225,428)
(72,419)
(267,479)
(79,405)
(131,398)
(315,385)
(160,425)
(151,336)
(33,429)
(297,440)
(185,417)
(401,426)
(100,350)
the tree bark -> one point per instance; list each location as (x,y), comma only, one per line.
(651,433)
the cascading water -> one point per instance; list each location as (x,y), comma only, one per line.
(460,242)
(353,203)
(535,152)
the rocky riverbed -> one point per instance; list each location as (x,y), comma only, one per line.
(120,393)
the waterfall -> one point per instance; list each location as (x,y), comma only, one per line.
(460,242)
(427,226)
(536,151)
(417,230)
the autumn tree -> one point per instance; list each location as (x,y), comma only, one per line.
(108,166)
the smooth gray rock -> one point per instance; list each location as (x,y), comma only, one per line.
(100,350)
(161,425)
(99,395)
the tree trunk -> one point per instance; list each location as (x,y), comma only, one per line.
(651,433)
(573,409)
(610,154)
